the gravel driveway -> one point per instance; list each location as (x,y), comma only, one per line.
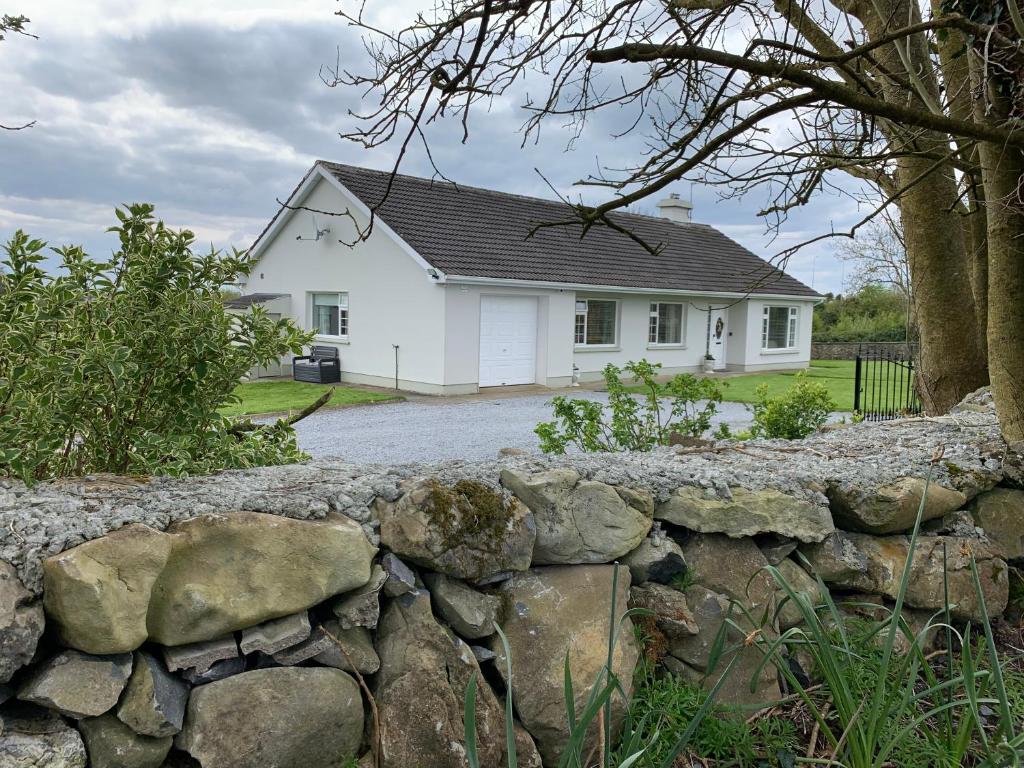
(436,430)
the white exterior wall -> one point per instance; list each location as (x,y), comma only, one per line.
(555,315)
(742,336)
(755,358)
(391,298)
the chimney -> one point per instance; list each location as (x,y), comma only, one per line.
(674,209)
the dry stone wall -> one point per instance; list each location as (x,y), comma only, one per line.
(246,619)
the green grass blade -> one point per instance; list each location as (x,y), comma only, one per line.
(683,741)
(469,723)
(510,728)
(1006,729)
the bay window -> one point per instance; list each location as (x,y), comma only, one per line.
(778,328)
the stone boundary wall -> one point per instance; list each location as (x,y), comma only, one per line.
(847,350)
(230,621)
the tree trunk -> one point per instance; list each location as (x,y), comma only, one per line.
(951,363)
(1003,172)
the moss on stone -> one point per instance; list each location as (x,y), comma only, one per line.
(468,511)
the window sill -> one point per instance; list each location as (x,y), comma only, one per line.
(332,339)
(596,348)
(787,351)
(666,346)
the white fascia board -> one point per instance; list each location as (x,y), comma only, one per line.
(285,213)
(360,206)
(508,282)
(316,174)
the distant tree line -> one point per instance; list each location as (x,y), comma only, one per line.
(874,313)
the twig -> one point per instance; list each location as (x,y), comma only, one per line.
(248,426)
(18,536)
(813,742)
(378,751)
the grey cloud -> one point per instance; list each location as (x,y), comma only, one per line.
(263,80)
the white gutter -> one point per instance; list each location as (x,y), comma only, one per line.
(503,281)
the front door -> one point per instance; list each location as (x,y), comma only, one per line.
(719,334)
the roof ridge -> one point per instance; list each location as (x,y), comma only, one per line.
(488,190)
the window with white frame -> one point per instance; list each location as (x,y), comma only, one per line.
(778,328)
(595,322)
(330,314)
(665,325)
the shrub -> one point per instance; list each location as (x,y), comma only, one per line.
(120,365)
(793,415)
(632,421)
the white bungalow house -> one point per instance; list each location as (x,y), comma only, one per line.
(451,293)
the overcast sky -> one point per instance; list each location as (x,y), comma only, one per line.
(212,109)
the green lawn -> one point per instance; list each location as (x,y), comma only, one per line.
(288,396)
(836,375)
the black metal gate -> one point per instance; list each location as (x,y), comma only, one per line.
(884,385)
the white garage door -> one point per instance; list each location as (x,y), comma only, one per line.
(508,340)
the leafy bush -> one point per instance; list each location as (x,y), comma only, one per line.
(120,365)
(632,422)
(793,415)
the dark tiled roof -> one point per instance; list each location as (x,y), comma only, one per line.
(476,232)
(246,301)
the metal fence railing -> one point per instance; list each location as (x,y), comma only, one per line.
(884,385)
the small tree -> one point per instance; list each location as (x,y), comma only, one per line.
(121,365)
(633,422)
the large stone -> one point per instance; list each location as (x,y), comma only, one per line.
(154,700)
(420,690)
(361,607)
(231,571)
(558,612)
(470,613)
(1000,513)
(112,744)
(578,521)
(350,649)
(285,717)
(734,567)
(76,684)
(670,613)
(875,564)
(32,737)
(705,657)
(889,508)
(21,623)
(658,559)
(97,594)
(800,582)
(469,530)
(746,513)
